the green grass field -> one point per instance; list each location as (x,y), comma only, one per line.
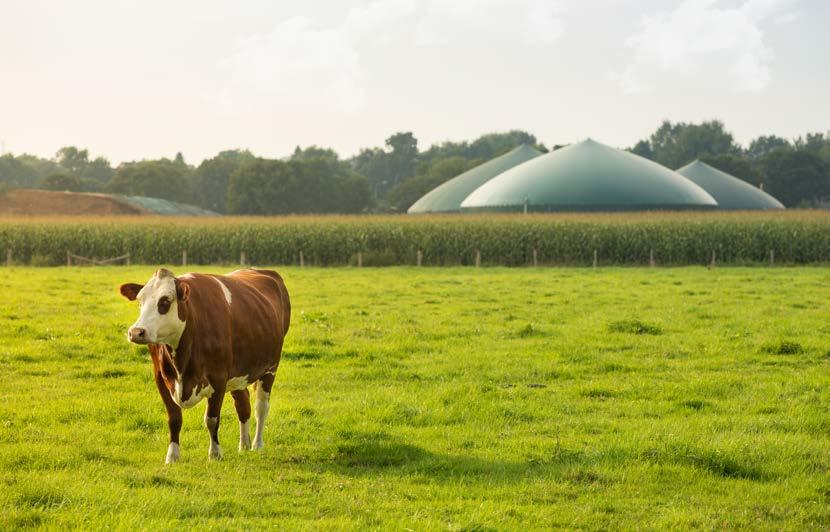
(457,398)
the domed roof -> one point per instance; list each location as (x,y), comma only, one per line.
(588,176)
(729,191)
(447,197)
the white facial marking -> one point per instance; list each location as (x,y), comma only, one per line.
(214,451)
(245,436)
(196,395)
(172,453)
(237,383)
(160,328)
(261,411)
(224,290)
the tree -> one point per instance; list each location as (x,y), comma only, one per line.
(816,143)
(386,168)
(494,144)
(675,145)
(98,170)
(76,162)
(316,185)
(14,173)
(485,147)
(373,163)
(72,159)
(403,155)
(328,186)
(62,181)
(161,178)
(764,144)
(249,188)
(314,152)
(211,178)
(355,193)
(796,177)
(405,194)
(643,149)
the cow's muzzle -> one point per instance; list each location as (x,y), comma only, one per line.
(138,335)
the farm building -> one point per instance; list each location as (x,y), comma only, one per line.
(448,196)
(588,176)
(24,202)
(729,191)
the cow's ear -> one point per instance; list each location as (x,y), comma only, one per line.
(182,290)
(130,290)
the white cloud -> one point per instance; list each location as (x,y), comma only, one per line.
(294,59)
(700,39)
(300,63)
(528,21)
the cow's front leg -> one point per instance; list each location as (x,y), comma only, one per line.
(214,408)
(174,420)
(242,401)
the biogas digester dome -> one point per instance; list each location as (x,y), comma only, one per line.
(729,191)
(448,196)
(588,176)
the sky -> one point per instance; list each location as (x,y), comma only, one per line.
(132,79)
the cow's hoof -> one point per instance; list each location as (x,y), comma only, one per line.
(257,446)
(215,453)
(172,454)
(244,446)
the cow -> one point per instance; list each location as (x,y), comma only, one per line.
(208,335)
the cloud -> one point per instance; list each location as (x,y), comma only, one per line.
(527,21)
(702,40)
(295,58)
(298,62)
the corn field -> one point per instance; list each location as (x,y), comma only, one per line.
(791,237)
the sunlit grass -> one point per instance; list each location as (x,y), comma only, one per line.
(454,398)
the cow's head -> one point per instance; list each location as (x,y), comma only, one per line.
(162,312)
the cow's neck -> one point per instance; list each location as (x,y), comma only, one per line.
(180,355)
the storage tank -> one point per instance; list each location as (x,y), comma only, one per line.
(588,176)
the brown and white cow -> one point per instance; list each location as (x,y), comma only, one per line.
(211,334)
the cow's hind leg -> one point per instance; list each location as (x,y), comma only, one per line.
(263,397)
(214,408)
(174,420)
(242,402)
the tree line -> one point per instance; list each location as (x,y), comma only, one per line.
(392,177)
(796,172)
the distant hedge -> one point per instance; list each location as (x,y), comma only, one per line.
(793,237)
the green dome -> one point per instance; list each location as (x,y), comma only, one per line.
(588,176)
(447,197)
(730,192)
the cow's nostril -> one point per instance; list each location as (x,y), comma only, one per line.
(137,333)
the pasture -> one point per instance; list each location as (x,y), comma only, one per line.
(453,398)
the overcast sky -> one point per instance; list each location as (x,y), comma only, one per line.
(144,79)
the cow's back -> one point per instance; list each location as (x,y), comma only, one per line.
(270,284)
(260,313)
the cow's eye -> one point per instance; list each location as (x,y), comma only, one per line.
(164,305)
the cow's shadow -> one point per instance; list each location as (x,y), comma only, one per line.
(372,453)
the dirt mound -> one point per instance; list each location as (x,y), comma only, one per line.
(46,202)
